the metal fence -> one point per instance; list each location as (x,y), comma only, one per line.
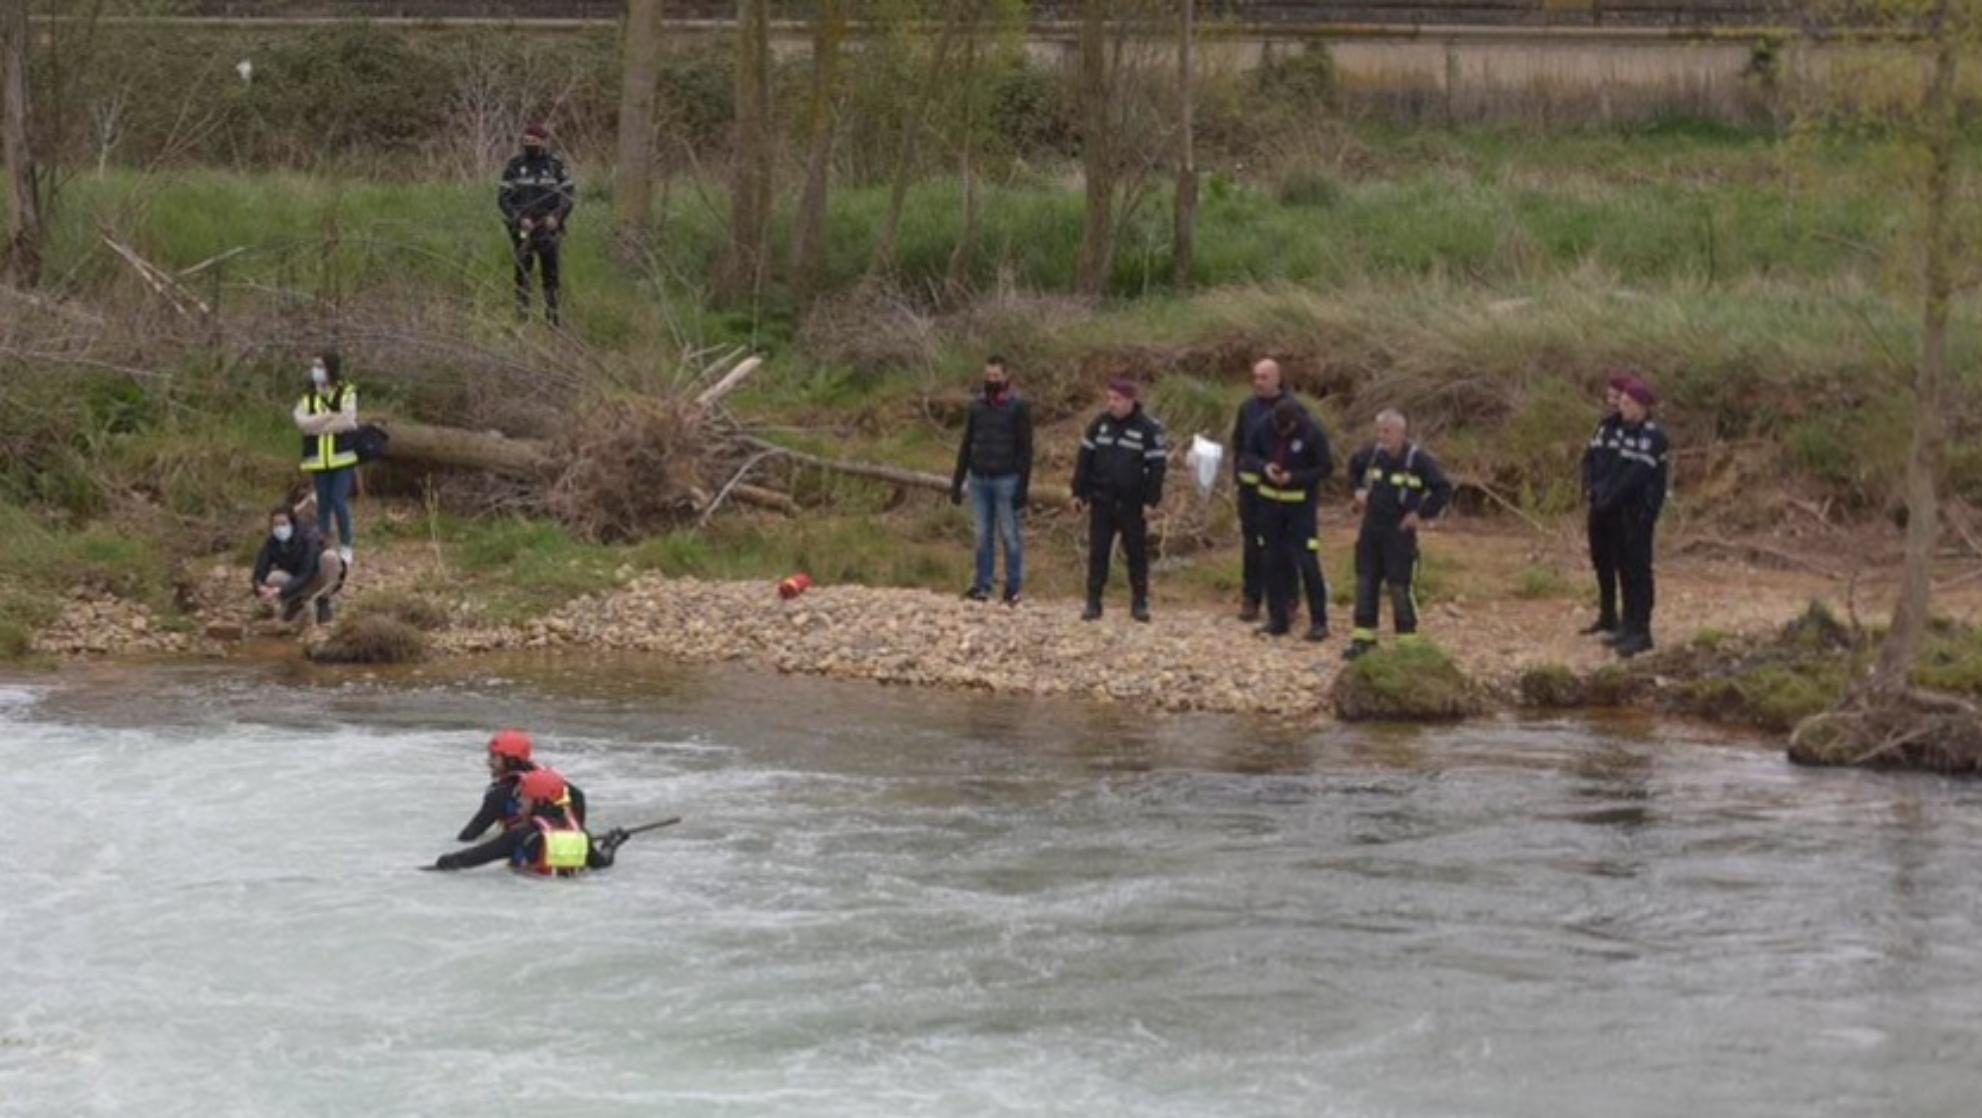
(1494,13)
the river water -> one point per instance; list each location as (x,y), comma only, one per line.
(890,902)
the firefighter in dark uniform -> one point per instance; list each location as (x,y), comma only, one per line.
(1597,459)
(1399,488)
(536,199)
(1268,390)
(1118,475)
(1289,454)
(1632,494)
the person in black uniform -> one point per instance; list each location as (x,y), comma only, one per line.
(1268,389)
(536,199)
(1289,454)
(547,840)
(995,458)
(1400,488)
(509,759)
(1633,494)
(1118,475)
(1597,459)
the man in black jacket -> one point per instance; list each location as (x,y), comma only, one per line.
(1633,494)
(536,199)
(1598,458)
(1400,488)
(1118,475)
(1289,454)
(995,461)
(1268,390)
(293,569)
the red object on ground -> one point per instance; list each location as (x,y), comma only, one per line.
(794,585)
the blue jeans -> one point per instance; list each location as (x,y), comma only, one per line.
(334,498)
(994,499)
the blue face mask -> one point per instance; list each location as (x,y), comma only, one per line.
(282,532)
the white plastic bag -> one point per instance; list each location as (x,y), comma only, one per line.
(1203,458)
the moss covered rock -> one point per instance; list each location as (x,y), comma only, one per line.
(1409,682)
(370,639)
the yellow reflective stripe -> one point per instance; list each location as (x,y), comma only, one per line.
(1289,495)
(1361,634)
(1407,481)
(565,850)
(1248,478)
(327,457)
(1314,544)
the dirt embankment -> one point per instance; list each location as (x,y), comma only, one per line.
(1193,657)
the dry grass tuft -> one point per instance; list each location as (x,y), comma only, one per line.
(632,466)
(370,639)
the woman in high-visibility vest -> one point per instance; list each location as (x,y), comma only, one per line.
(327,415)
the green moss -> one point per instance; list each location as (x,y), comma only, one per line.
(1551,686)
(417,610)
(1414,681)
(1951,660)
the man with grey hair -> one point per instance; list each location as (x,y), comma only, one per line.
(1399,487)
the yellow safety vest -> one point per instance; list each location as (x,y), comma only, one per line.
(326,452)
(565,850)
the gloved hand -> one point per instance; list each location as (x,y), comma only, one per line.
(611,840)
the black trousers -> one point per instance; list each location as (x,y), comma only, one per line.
(1604,543)
(1252,546)
(538,248)
(1633,537)
(1106,519)
(1385,556)
(1289,538)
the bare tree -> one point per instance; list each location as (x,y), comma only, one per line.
(914,123)
(1184,225)
(741,271)
(1097,238)
(808,241)
(967,81)
(640,70)
(24,228)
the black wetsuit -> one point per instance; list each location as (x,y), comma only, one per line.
(518,846)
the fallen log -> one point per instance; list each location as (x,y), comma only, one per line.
(896,475)
(474,450)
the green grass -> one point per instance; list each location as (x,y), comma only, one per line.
(1410,681)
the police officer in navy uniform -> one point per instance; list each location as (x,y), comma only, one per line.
(1269,389)
(1400,488)
(1633,493)
(1118,475)
(536,199)
(1598,457)
(1289,454)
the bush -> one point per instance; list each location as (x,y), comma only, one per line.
(1414,681)
(417,610)
(1551,686)
(370,639)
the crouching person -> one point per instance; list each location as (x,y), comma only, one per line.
(294,570)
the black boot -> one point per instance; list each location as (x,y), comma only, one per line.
(1317,632)
(1272,629)
(1093,610)
(1139,609)
(1358,649)
(1631,644)
(1600,625)
(1249,611)
(324,611)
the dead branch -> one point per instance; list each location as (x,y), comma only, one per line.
(731,380)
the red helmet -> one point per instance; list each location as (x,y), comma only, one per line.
(542,785)
(511,743)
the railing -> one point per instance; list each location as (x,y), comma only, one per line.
(1485,13)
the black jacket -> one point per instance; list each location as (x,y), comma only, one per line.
(499,802)
(1121,460)
(1254,412)
(299,559)
(1304,454)
(1601,454)
(1410,482)
(997,441)
(1637,479)
(536,186)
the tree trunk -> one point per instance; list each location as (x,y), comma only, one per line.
(22,256)
(966,247)
(1923,461)
(808,238)
(1097,152)
(1183,235)
(640,66)
(913,123)
(742,270)
(474,450)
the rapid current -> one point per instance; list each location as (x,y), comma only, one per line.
(891,902)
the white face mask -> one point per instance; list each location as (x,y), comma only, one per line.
(319,375)
(282,532)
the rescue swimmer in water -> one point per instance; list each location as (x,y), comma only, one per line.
(542,818)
